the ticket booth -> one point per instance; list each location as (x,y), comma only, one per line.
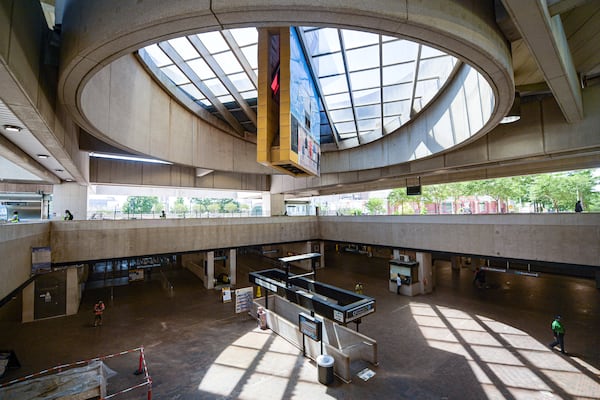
(409,274)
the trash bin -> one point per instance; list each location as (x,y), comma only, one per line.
(325,369)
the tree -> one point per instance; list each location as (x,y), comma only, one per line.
(435,194)
(231,207)
(398,197)
(179,207)
(375,206)
(141,204)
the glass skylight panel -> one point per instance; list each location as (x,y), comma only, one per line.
(322,41)
(241,82)
(192,91)
(368,112)
(228,63)
(364,52)
(363,58)
(216,87)
(399,51)
(213,41)
(365,79)
(158,56)
(435,68)
(345,127)
(175,74)
(354,39)
(344,114)
(368,125)
(399,73)
(330,64)
(341,100)
(397,92)
(334,84)
(226,99)
(368,96)
(245,36)
(251,54)
(251,94)
(201,68)
(185,49)
(427,52)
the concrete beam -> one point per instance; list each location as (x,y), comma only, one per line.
(547,42)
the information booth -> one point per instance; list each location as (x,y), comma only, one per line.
(409,274)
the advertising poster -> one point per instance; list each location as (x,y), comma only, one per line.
(243,299)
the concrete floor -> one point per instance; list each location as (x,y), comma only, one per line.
(458,343)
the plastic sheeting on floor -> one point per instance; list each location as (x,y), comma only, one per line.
(77,383)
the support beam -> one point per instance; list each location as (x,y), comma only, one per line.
(547,42)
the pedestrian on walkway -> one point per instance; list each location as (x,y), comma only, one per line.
(398,283)
(98,310)
(358,288)
(559,334)
(578,206)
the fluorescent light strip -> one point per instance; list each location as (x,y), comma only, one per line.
(129,158)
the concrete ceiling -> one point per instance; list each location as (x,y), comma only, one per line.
(555,51)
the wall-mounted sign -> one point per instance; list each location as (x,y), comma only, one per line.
(310,326)
(360,311)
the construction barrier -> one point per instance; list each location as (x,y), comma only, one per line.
(142,369)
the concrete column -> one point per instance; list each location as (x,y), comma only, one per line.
(273,204)
(456,263)
(28,294)
(210,270)
(426,278)
(322,251)
(232,266)
(69,196)
(73,294)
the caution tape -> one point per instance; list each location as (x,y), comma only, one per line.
(59,368)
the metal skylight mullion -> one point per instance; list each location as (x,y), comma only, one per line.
(237,52)
(381,82)
(222,76)
(317,82)
(345,60)
(189,72)
(414,83)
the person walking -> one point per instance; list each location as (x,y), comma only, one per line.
(358,288)
(578,206)
(98,310)
(68,216)
(559,334)
(398,283)
(15,217)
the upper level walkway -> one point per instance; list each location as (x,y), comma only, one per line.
(569,238)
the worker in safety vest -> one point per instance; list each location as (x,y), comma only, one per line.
(15,217)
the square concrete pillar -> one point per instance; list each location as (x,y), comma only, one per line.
(232,266)
(210,270)
(73,293)
(426,276)
(28,294)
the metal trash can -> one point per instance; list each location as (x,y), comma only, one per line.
(325,368)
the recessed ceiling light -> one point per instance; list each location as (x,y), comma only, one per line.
(12,128)
(43,156)
(59,170)
(69,180)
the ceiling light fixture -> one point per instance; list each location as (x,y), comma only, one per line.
(128,158)
(12,128)
(43,156)
(59,170)
(514,114)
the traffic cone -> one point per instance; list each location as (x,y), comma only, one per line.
(258,293)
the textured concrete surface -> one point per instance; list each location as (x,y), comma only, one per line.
(460,342)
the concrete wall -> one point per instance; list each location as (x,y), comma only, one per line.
(570,238)
(16,241)
(90,240)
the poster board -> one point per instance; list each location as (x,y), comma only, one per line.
(243,299)
(226,294)
(41,258)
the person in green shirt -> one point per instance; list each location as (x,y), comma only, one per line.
(559,334)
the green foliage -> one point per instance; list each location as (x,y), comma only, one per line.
(375,206)
(141,205)
(179,207)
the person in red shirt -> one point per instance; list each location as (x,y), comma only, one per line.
(98,310)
